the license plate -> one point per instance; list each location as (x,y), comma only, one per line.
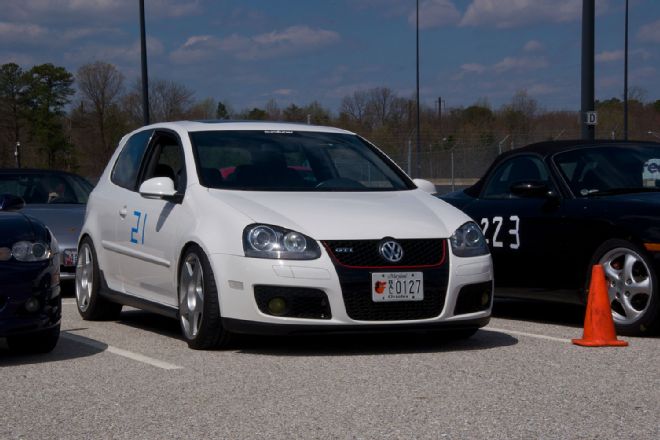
(397,286)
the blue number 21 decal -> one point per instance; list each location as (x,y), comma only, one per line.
(137,232)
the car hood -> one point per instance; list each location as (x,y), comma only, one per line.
(64,221)
(14,227)
(349,215)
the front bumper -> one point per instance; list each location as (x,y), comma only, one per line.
(20,282)
(237,276)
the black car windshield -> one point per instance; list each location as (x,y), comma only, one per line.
(282,160)
(45,187)
(611,169)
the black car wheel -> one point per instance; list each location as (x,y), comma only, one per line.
(199,310)
(632,286)
(91,305)
(43,341)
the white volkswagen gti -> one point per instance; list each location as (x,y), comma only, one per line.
(251,227)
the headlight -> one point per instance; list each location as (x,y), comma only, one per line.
(31,251)
(267,241)
(468,241)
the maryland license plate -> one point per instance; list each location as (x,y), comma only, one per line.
(397,286)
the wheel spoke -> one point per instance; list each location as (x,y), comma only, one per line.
(628,267)
(630,311)
(640,287)
(610,272)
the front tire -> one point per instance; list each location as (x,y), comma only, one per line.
(199,309)
(91,306)
(632,287)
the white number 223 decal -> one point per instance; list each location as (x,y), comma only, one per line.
(497,222)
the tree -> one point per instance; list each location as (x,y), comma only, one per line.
(12,105)
(221,111)
(168,101)
(48,91)
(101,86)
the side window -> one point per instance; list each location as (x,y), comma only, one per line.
(349,164)
(127,166)
(515,170)
(166,160)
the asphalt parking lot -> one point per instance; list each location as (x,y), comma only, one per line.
(520,377)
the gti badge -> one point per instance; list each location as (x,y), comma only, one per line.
(391,251)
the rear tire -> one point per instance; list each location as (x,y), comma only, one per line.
(91,305)
(42,341)
(632,287)
(199,309)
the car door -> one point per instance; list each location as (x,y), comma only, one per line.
(151,228)
(519,211)
(109,206)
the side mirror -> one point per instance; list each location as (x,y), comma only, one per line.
(532,189)
(10,202)
(160,188)
(425,185)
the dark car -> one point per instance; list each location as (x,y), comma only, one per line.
(58,199)
(551,210)
(30,301)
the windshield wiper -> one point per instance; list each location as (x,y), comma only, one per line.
(614,191)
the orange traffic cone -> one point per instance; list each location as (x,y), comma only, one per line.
(598,323)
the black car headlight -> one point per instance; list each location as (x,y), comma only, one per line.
(268,241)
(468,241)
(27,251)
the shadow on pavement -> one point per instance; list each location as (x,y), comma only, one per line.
(151,322)
(67,348)
(369,344)
(570,315)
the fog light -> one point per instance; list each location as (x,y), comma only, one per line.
(32,305)
(485,298)
(277,306)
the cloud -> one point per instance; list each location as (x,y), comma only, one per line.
(13,32)
(119,54)
(533,46)
(507,64)
(292,40)
(650,33)
(435,13)
(609,56)
(517,13)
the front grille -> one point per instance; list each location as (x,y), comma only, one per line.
(301,302)
(364,253)
(356,291)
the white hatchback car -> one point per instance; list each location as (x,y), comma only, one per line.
(249,227)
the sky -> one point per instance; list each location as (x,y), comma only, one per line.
(245,53)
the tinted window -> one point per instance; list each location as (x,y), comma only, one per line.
(166,160)
(46,187)
(293,161)
(610,169)
(516,170)
(127,166)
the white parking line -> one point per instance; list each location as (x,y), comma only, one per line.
(120,352)
(529,335)
(68,301)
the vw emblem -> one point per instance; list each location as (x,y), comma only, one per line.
(391,251)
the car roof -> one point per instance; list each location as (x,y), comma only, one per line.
(213,125)
(35,171)
(549,148)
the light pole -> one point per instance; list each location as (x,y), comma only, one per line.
(145,76)
(419,145)
(17,154)
(625,79)
(588,19)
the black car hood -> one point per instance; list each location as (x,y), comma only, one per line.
(15,226)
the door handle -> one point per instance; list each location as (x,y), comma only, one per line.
(123,212)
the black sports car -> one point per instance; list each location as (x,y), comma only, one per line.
(30,301)
(553,209)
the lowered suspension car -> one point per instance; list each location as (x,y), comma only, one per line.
(242,227)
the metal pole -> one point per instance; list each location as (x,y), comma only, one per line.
(145,76)
(588,90)
(625,80)
(419,145)
(452,169)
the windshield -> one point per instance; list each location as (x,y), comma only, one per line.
(280,160)
(45,187)
(611,169)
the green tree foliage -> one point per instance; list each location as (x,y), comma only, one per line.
(48,90)
(12,109)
